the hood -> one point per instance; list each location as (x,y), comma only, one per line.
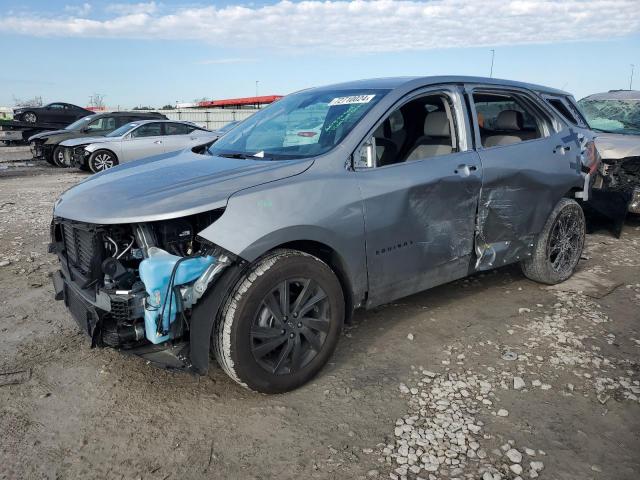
(168,186)
(615,145)
(46,135)
(74,142)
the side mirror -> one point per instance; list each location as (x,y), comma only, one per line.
(366,156)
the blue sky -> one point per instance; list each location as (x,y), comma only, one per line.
(159,53)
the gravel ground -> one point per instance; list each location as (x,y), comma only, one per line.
(491,377)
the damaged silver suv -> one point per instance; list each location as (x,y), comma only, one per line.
(353,195)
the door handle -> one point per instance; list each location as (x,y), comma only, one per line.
(465,170)
(561,149)
(158,142)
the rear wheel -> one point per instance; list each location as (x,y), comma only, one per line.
(559,246)
(101,160)
(281,322)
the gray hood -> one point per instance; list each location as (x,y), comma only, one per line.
(74,142)
(167,186)
(615,145)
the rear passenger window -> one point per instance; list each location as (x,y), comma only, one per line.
(504,119)
(562,110)
(420,129)
(148,130)
(566,109)
(177,129)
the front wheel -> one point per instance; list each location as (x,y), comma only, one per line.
(101,160)
(58,157)
(281,322)
(30,117)
(558,248)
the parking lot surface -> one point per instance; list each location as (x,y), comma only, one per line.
(490,377)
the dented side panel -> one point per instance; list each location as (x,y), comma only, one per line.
(420,217)
(521,185)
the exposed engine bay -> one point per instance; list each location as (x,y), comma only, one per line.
(616,189)
(135,284)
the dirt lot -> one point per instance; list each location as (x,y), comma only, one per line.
(490,377)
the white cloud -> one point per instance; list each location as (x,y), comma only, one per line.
(357,26)
(132,8)
(81,10)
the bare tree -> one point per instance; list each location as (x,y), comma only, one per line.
(31,102)
(97,100)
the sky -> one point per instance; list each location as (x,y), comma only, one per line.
(158,53)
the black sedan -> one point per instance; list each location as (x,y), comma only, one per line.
(56,113)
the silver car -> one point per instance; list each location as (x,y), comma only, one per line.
(259,249)
(133,141)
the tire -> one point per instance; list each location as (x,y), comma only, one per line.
(57,157)
(558,247)
(29,117)
(271,355)
(102,160)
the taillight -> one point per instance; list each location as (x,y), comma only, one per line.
(591,156)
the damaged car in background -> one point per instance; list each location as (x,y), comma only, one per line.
(132,141)
(259,251)
(615,117)
(46,145)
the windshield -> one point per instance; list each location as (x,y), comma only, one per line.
(301,125)
(612,116)
(79,124)
(118,132)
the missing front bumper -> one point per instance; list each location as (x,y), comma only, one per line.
(90,320)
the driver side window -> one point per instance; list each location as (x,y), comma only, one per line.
(104,123)
(421,128)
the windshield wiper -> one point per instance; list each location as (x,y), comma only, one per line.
(244,156)
(235,155)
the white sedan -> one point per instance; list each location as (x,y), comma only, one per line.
(133,141)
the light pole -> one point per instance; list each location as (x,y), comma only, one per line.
(631,79)
(493,54)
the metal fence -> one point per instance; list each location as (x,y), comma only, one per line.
(211,118)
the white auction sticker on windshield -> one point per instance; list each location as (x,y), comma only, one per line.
(351,100)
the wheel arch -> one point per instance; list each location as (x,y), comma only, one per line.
(332,258)
(206,312)
(106,149)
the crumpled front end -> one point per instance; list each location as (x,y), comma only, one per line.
(621,177)
(134,286)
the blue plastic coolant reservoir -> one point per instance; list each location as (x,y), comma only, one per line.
(155,273)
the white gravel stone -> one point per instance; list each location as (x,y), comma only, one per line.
(410,336)
(514,455)
(537,466)
(503,412)
(518,383)
(516,468)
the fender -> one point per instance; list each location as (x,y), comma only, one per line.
(204,316)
